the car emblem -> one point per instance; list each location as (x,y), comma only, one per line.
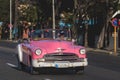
(59,50)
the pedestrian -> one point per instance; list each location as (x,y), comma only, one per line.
(15,33)
(26,31)
(6,32)
(0,31)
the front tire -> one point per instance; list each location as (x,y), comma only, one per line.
(31,68)
(19,64)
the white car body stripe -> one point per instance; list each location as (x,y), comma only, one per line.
(20,55)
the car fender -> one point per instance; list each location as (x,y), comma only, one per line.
(20,54)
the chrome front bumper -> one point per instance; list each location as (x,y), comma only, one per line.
(59,64)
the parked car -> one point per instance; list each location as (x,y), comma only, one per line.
(51,53)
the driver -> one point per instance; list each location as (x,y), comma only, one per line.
(61,36)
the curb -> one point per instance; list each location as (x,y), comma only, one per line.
(110,52)
(13,41)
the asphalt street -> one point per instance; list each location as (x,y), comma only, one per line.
(101,66)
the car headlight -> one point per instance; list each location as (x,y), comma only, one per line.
(38,51)
(82,51)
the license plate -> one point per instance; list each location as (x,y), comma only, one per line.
(61,64)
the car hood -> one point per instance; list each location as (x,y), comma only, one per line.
(51,46)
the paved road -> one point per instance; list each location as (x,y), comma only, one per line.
(101,67)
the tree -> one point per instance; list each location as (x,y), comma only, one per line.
(96,9)
(4,10)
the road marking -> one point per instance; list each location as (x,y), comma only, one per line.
(11,65)
(46,79)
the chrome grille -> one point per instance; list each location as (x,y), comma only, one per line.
(61,57)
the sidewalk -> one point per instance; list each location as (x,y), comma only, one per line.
(107,51)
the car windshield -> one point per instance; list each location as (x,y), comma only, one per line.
(48,33)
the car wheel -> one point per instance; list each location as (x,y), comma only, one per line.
(31,70)
(19,64)
(31,67)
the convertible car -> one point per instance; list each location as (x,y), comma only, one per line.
(46,52)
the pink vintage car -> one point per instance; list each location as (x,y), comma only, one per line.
(51,53)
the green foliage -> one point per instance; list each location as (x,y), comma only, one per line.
(4,10)
(118,7)
(29,14)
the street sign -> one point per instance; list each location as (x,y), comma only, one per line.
(115,22)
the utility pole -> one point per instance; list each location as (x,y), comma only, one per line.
(16,13)
(10,26)
(53,8)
